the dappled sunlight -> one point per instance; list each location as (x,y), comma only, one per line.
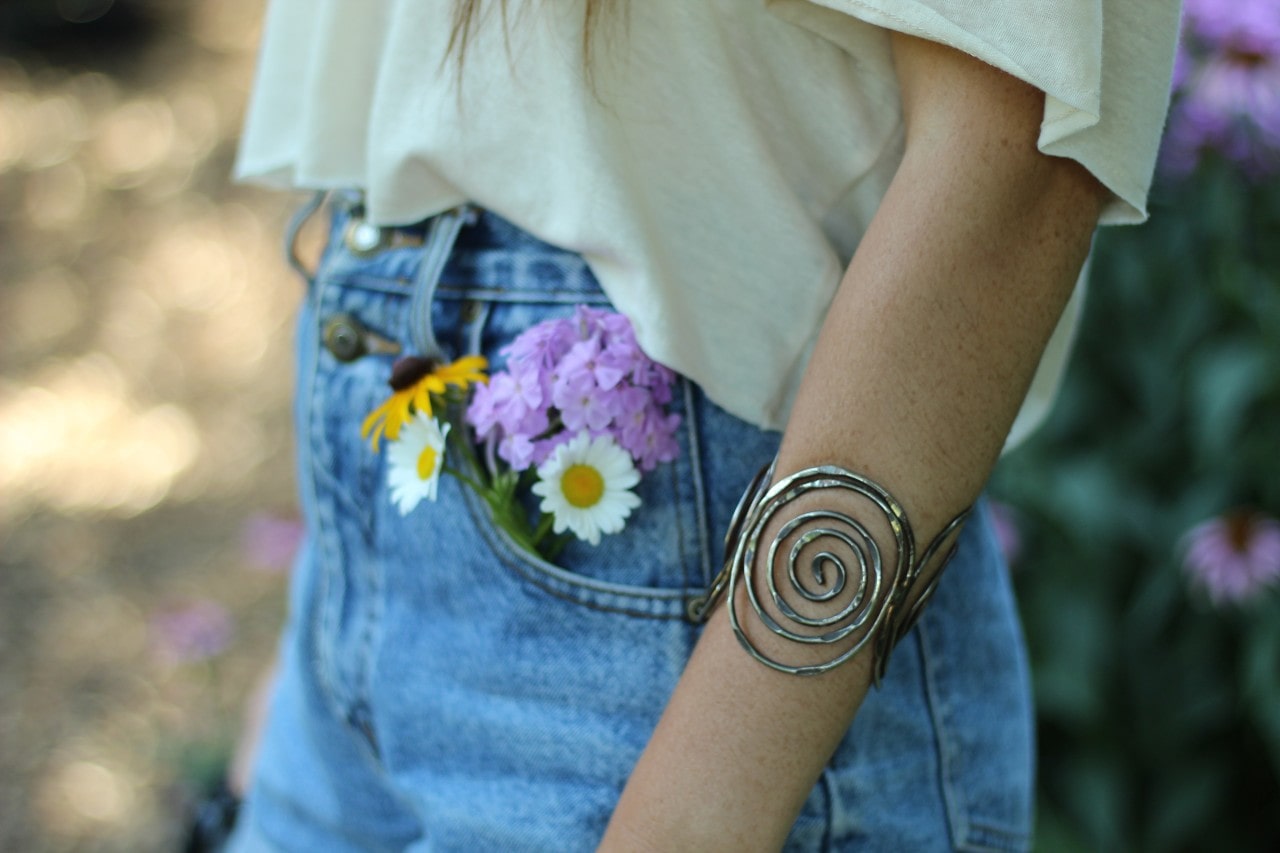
(145,374)
(39,131)
(92,794)
(41,310)
(75,440)
(132,140)
(56,196)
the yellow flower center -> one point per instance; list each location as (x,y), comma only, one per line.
(427,463)
(582,486)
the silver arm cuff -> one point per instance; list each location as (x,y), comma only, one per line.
(855,592)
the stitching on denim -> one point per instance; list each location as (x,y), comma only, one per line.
(454,290)
(1000,839)
(360,581)
(373,615)
(573,595)
(341,496)
(577,600)
(671,482)
(957,820)
(676,488)
(590,586)
(576,591)
(694,431)
(327,560)
(587,584)
(315,602)
(828,804)
(959,817)
(1007,841)
(522,297)
(367,281)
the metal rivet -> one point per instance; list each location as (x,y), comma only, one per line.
(344,336)
(365,238)
(694,609)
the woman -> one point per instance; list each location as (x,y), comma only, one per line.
(860,219)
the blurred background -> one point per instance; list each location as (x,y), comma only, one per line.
(146,500)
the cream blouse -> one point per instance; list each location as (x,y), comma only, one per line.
(717,166)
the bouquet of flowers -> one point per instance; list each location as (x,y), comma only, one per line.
(574,418)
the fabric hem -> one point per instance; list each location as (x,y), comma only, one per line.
(1086,100)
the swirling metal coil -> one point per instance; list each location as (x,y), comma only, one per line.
(825,580)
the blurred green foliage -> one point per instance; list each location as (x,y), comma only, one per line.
(1159,713)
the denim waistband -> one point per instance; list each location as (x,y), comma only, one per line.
(488,257)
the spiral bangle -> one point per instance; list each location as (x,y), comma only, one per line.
(825,580)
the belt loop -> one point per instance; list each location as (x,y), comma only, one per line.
(474,316)
(438,245)
(296,222)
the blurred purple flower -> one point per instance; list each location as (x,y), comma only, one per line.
(1004,523)
(1248,25)
(1235,556)
(1228,76)
(191,632)
(270,542)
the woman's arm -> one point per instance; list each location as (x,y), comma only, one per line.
(921,365)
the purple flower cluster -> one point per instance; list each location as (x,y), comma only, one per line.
(584,372)
(1234,557)
(1228,77)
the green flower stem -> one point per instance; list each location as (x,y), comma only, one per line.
(545,520)
(454,472)
(552,551)
(497,491)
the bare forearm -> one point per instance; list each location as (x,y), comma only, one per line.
(935,334)
(920,368)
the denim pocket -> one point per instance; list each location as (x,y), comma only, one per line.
(490,292)
(658,562)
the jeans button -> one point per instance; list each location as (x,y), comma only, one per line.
(364,238)
(344,336)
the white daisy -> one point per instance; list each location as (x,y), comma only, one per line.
(585,486)
(414,461)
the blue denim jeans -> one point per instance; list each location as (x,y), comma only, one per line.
(442,690)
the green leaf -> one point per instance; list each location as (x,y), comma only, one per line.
(1098,795)
(1069,634)
(1226,382)
(1184,802)
(1055,833)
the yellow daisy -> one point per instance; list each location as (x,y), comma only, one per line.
(413,380)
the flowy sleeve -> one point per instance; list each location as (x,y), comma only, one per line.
(1104,66)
